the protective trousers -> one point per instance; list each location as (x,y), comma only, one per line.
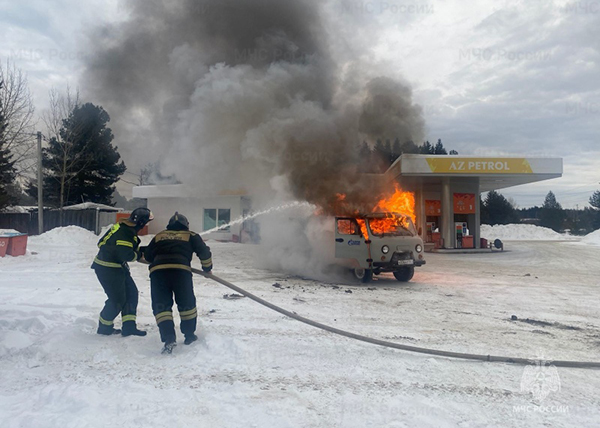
(122,296)
(164,283)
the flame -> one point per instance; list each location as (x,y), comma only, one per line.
(363,227)
(400,202)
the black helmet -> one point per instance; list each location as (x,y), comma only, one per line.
(140,216)
(178,220)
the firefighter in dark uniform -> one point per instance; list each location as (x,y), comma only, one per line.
(119,246)
(170,255)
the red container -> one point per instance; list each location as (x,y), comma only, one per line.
(17,245)
(4,241)
(467,241)
(124,216)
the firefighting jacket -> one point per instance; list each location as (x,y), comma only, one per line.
(173,249)
(118,246)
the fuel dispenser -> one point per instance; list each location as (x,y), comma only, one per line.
(461,231)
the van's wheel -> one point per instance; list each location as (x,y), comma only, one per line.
(364,275)
(405,274)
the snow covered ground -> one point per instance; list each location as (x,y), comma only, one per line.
(257,368)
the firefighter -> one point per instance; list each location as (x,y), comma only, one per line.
(170,255)
(119,246)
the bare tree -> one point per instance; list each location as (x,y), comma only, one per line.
(61,106)
(70,161)
(18,110)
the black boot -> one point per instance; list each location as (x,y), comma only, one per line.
(130,329)
(108,333)
(168,348)
(107,330)
(190,338)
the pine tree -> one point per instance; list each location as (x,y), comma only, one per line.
(396,150)
(427,148)
(552,215)
(380,157)
(498,210)
(410,147)
(595,200)
(439,148)
(365,158)
(82,165)
(7,170)
(387,151)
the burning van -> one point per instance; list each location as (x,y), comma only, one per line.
(379,242)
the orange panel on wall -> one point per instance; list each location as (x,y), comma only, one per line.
(433,208)
(464,203)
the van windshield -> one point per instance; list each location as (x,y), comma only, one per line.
(391,225)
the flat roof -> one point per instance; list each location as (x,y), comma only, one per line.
(493,172)
(178,191)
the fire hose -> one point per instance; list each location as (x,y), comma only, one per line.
(384,343)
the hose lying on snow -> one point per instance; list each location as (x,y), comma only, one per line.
(492,358)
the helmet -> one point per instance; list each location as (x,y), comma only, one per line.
(179,219)
(140,216)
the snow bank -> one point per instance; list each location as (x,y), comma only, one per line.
(69,235)
(592,238)
(520,232)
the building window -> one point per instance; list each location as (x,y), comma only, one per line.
(224,216)
(210,219)
(216,216)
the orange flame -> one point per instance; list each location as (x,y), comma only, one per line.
(400,202)
(363,227)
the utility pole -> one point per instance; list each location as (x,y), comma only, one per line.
(40,185)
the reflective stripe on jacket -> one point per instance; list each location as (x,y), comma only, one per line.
(118,246)
(173,249)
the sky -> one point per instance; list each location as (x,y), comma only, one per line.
(502,78)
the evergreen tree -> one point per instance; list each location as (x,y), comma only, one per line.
(396,150)
(380,157)
(552,215)
(453,152)
(410,147)
(7,170)
(427,148)
(595,200)
(82,165)
(595,216)
(484,215)
(498,209)
(439,148)
(365,158)
(387,151)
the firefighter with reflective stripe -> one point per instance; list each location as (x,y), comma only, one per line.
(117,247)
(170,255)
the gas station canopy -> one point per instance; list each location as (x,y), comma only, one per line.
(447,189)
(492,172)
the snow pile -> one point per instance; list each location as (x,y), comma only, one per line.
(69,235)
(592,238)
(520,232)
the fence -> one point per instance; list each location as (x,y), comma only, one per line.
(90,219)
